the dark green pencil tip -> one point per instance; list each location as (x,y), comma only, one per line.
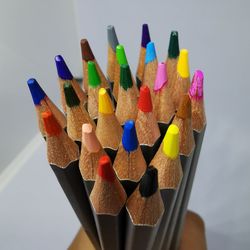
(173,48)
(94,78)
(70,95)
(125,77)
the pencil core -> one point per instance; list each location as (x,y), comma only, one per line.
(129,137)
(89,139)
(112,37)
(36,91)
(62,68)
(145,39)
(51,125)
(125,77)
(93,76)
(70,95)
(150,53)
(196,89)
(183,65)
(161,76)
(145,102)
(105,105)
(173,48)
(149,182)
(120,55)
(171,142)
(87,54)
(105,170)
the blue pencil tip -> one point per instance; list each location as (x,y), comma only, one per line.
(150,52)
(36,91)
(145,39)
(62,68)
(129,137)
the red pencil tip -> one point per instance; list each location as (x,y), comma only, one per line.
(145,102)
(51,125)
(105,170)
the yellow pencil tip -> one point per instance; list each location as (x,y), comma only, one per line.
(183,65)
(171,142)
(105,105)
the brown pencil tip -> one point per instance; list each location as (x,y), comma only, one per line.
(184,109)
(87,54)
(51,125)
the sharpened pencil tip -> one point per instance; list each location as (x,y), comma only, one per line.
(89,139)
(173,48)
(112,37)
(105,170)
(149,182)
(129,137)
(161,76)
(87,54)
(93,76)
(183,65)
(184,109)
(62,68)
(36,91)
(196,89)
(104,102)
(150,53)
(171,142)
(145,39)
(120,55)
(125,77)
(145,102)
(71,97)
(51,125)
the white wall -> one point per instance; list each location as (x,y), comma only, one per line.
(32,33)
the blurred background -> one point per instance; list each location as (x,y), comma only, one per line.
(34,214)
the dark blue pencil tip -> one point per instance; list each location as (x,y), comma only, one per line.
(62,68)
(129,137)
(145,38)
(36,91)
(150,52)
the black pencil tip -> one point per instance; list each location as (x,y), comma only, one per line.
(70,95)
(149,182)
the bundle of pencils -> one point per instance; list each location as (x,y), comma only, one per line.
(125,154)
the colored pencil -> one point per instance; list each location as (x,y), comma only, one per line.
(146,125)
(77,115)
(167,161)
(94,86)
(87,55)
(126,108)
(145,39)
(151,64)
(64,75)
(63,157)
(91,152)
(187,144)
(164,108)
(182,82)
(129,163)
(108,199)
(144,213)
(108,130)
(43,103)
(199,126)
(112,61)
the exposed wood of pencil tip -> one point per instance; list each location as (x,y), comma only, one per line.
(109,131)
(145,211)
(169,170)
(111,64)
(150,74)
(93,102)
(183,121)
(198,114)
(141,64)
(171,65)
(129,165)
(147,129)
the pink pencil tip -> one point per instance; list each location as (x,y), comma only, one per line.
(196,89)
(161,76)
(89,139)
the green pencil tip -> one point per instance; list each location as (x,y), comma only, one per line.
(120,55)
(125,77)
(173,48)
(94,78)
(70,95)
